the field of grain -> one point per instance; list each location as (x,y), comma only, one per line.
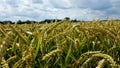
(94,44)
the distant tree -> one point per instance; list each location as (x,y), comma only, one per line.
(6,22)
(1,22)
(19,22)
(67,19)
(74,20)
(46,21)
(10,22)
(28,22)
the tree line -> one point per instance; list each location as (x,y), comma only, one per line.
(47,21)
(44,21)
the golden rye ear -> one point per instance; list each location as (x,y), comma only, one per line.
(61,44)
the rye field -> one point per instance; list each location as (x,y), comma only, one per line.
(94,44)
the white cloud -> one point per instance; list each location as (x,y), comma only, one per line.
(61,3)
(92,4)
(42,9)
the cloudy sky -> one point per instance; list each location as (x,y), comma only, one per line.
(58,9)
